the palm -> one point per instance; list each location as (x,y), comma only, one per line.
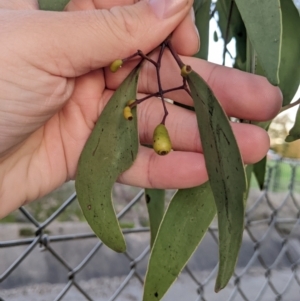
(67,131)
(47,143)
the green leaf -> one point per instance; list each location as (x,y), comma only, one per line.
(226,174)
(155,199)
(228,11)
(289,71)
(236,24)
(184,224)
(110,150)
(216,37)
(264,28)
(294,133)
(197,4)
(241,50)
(55,5)
(223,9)
(202,18)
(259,170)
(248,170)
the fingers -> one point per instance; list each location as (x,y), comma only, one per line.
(185,38)
(107,4)
(74,5)
(184,169)
(174,171)
(242,95)
(185,166)
(75,43)
(18,4)
(97,4)
(183,130)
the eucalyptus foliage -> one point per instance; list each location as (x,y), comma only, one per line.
(267,39)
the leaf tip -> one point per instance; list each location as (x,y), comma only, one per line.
(218,286)
(289,138)
(273,78)
(120,247)
(221,281)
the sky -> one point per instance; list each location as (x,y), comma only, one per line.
(297,4)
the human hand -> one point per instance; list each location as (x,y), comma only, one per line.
(53,88)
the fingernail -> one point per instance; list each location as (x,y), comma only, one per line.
(192,14)
(193,18)
(167,8)
(198,37)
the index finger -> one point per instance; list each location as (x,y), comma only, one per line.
(242,95)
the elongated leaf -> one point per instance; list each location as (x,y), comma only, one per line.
(228,12)
(184,224)
(248,170)
(226,174)
(264,28)
(223,9)
(197,4)
(289,72)
(232,26)
(259,170)
(55,5)
(294,133)
(155,199)
(109,151)
(241,49)
(202,18)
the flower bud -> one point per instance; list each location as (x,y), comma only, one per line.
(185,70)
(116,65)
(127,113)
(161,140)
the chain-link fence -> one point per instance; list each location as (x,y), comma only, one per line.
(64,260)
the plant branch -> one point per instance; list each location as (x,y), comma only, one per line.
(157,64)
(227,31)
(174,54)
(158,94)
(291,105)
(212,14)
(147,58)
(160,90)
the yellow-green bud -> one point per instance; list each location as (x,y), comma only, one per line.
(161,140)
(127,113)
(116,65)
(185,70)
(129,102)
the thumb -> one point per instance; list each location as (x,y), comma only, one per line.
(73,43)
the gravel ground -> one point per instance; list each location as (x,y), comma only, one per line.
(184,289)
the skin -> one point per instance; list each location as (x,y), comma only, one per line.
(54,85)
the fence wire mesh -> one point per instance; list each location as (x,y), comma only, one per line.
(268,267)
